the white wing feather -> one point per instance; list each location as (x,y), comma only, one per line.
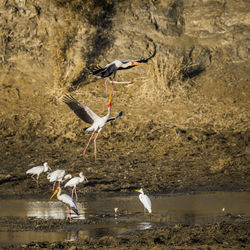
(146,202)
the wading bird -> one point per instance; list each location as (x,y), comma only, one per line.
(74,182)
(109,71)
(145,200)
(87,115)
(66,199)
(37,171)
(58,176)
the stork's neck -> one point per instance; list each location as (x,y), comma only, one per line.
(108,114)
(59,194)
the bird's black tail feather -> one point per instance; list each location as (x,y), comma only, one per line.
(75,210)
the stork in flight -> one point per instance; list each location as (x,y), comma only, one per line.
(87,115)
(66,199)
(109,71)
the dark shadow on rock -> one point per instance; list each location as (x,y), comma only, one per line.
(102,39)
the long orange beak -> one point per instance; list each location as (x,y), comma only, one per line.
(54,194)
(109,103)
(137,190)
(140,63)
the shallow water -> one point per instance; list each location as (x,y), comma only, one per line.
(167,210)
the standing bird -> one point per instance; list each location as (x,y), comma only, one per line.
(109,71)
(74,182)
(38,170)
(145,200)
(58,176)
(87,115)
(66,199)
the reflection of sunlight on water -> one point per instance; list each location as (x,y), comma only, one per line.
(71,236)
(144,225)
(52,209)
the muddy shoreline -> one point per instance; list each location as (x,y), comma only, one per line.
(116,172)
(211,236)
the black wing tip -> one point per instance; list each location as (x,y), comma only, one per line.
(95,69)
(120,114)
(68,98)
(75,210)
(145,60)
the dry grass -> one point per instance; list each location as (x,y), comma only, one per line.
(164,80)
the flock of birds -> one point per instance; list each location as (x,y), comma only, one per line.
(107,72)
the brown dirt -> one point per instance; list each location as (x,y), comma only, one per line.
(186,117)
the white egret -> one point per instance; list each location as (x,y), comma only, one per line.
(145,200)
(66,199)
(74,182)
(37,171)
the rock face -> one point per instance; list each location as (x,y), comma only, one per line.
(194,89)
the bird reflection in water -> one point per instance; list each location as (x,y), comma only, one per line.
(144,225)
(52,209)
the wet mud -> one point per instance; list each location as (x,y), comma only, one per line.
(210,236)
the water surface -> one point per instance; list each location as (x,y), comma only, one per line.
(188,209)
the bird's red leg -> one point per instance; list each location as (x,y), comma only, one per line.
(54,185)
(95,144)
(73,192)
(88,143)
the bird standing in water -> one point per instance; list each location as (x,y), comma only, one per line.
(66,199)
(145,200)
(37,171)
(87,115)
(74,182)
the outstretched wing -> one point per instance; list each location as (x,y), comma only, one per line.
(145,60)
(113,118)
(106,71)
(96,70)
(82,111)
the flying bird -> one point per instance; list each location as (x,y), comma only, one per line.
(145,200)
(87,115)
(37,171)
(66,199)
(109,71)
(74,182)
(58,176)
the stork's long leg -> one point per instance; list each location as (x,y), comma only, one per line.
(88,142)
(95,143)
(76,194)
(37,180)
(73,192)
(54,185)
(32,176)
